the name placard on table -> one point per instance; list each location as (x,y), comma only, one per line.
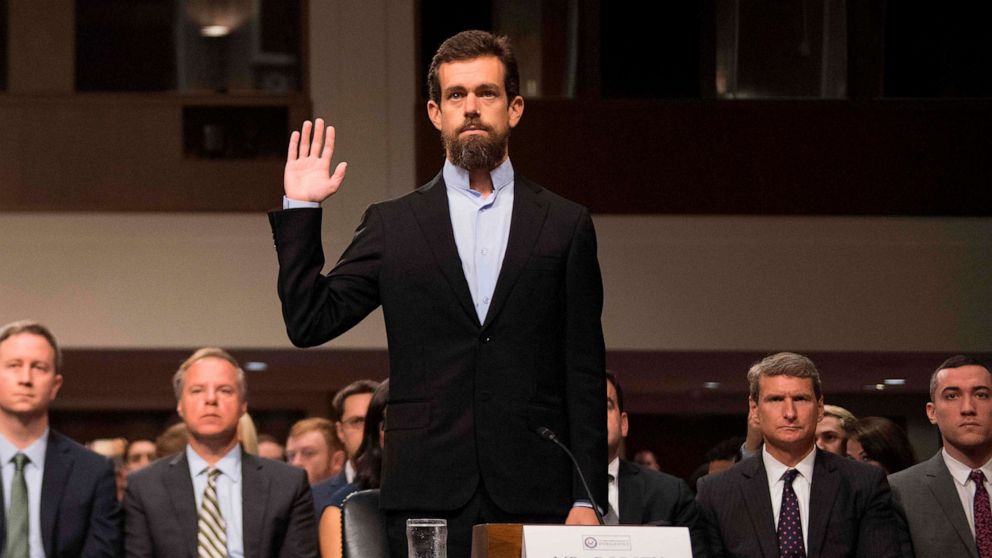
(578,541)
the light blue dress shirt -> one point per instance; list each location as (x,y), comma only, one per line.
(481,225)
(229,492)
(33,472)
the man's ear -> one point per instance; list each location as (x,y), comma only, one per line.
(434,113)
(516,110)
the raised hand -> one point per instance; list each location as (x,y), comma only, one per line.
(307,176)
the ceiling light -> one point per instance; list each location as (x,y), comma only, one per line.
(894,381)
(711,385)
(256,366)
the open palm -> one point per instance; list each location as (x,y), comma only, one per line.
(307,176)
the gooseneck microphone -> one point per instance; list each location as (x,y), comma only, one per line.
(547,434)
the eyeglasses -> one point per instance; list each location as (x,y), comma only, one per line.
(354,423)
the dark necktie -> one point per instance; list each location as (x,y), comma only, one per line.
(983,516)
(790,527)
(17,517)
(611,517)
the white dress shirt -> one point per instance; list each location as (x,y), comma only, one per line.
(613,493)
(966,488)
(801,485)
(229,492)
(33,473)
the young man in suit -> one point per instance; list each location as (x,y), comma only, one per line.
(793,500)
(639,495)
(946,498)
(60,497)
(492,297)
(213,499)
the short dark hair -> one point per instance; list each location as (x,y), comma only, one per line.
(956,361)
(473,44)
(34,328)
(612,378)
(886,442)
(354,388)
(783,364)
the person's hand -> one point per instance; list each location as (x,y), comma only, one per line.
(307,176)
(581,516)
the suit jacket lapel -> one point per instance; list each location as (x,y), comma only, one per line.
(431,211)
(58,465)
(758,500)
(630,492)
(938,479)
(254,493)
(529,211)
(179,486)
(823,491)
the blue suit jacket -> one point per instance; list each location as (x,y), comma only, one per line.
(80,516)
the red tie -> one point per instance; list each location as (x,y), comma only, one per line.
(983,516)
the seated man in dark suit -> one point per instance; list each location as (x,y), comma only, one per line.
(946,498)
(213,499)
(794,500)
(60,497)
(641,494)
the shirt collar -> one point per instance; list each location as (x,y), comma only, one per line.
(229,465)
(35,451)
(613,469)
(961,472)
(457,177)
(775,468)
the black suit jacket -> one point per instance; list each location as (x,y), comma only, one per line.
(651,497)
(466,397)
(277,510)
(851,512)
(80,516)
(930,503)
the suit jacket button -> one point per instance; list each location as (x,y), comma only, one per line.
(487,338)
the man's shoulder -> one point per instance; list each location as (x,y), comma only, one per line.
(154,470)
(61,446)
(275,470)
(650,477)
(916,473)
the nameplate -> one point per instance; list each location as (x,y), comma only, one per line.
(577,541)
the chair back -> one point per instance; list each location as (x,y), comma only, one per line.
(363,527)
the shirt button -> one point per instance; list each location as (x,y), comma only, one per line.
(485,251)
(485,300)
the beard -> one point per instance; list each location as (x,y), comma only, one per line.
(476,152)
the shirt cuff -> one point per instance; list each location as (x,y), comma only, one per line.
(297,204)
(585,504)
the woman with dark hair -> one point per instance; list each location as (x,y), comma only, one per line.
(368,472)
(879,441)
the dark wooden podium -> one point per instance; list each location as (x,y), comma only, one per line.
(497,540)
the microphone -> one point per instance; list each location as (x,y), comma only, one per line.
(547,434)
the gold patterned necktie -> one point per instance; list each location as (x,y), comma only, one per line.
(211,535)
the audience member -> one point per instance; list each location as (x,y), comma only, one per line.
(350,405)
(368,471)
(59,497)
(880,442)
(113,449)
(946,498)
(638,495)
(172,441)
(270,448)
(646,458)
(835,429)
(247,434)
(314,447)
(722,456)
(138,454)
(213,499)
(794,500)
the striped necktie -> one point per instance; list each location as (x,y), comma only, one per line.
(211,536)
(17,516)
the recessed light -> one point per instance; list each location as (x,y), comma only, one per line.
(711,385)
(894,381)
(256,366)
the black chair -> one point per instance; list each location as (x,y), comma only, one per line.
(363,527)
